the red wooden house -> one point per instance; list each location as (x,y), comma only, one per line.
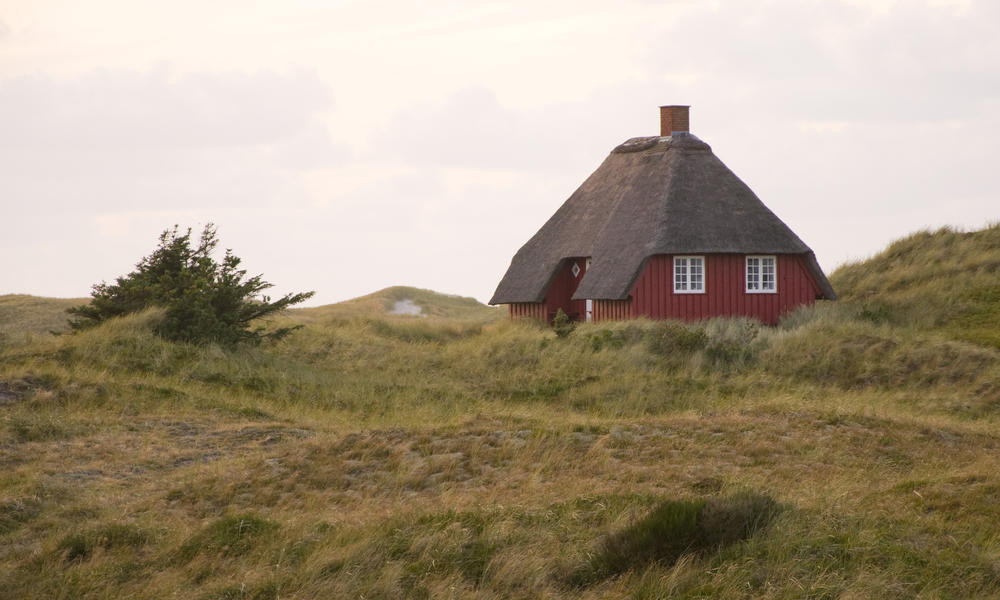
(663,229)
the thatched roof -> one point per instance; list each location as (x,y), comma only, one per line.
(652,195)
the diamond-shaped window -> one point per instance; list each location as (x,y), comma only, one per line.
(576,269)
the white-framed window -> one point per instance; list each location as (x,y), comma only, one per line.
(689,274)
(762,275)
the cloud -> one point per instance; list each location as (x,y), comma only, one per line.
(855,124)
(468,129)
(449,230)
(472,129)
(839,61)
(98,165)
(119,138)
(128,110)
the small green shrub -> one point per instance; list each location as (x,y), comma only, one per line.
(562,325)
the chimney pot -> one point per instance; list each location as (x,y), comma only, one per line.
(674,119)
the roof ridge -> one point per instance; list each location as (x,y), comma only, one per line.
(673,167)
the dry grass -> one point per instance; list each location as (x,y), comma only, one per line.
(945,280)
(21,314)
(379,457)
(381,303)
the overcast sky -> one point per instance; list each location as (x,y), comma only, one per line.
(344,147)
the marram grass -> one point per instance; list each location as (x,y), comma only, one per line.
(843,454)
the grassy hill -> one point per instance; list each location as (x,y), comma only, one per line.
(402,301)
(946,281)
(849,452)
(21,313)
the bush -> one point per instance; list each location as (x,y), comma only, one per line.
(205,301)
(562,325)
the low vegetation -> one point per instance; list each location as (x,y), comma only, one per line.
(849,452)
(944,280)
(673,529)
(431,304)
(21,314)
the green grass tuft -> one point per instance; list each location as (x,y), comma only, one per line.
(79,546)
(234,535)
(674,528)
(16,512)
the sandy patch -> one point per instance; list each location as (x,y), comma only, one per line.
(406,307)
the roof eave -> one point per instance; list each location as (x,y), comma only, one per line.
(500,298)
(824,284)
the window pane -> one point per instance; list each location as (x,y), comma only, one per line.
(680,274)
(767,273)
(753,273)
(697,274)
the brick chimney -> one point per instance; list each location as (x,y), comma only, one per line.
(674,119)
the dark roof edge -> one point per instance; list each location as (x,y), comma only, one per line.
(628,288)
(539,297)
(817,273)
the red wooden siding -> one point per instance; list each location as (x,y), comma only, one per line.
(561,290)
(530,310)
(725,290)
(559,295)
(612,310)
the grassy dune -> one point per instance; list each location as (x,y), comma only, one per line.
(21,314)
(382,303)
(944,280)
(851,452)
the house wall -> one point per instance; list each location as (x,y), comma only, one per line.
(725,290)
(561,291)
(612,310)
(559,295)
(529,310)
